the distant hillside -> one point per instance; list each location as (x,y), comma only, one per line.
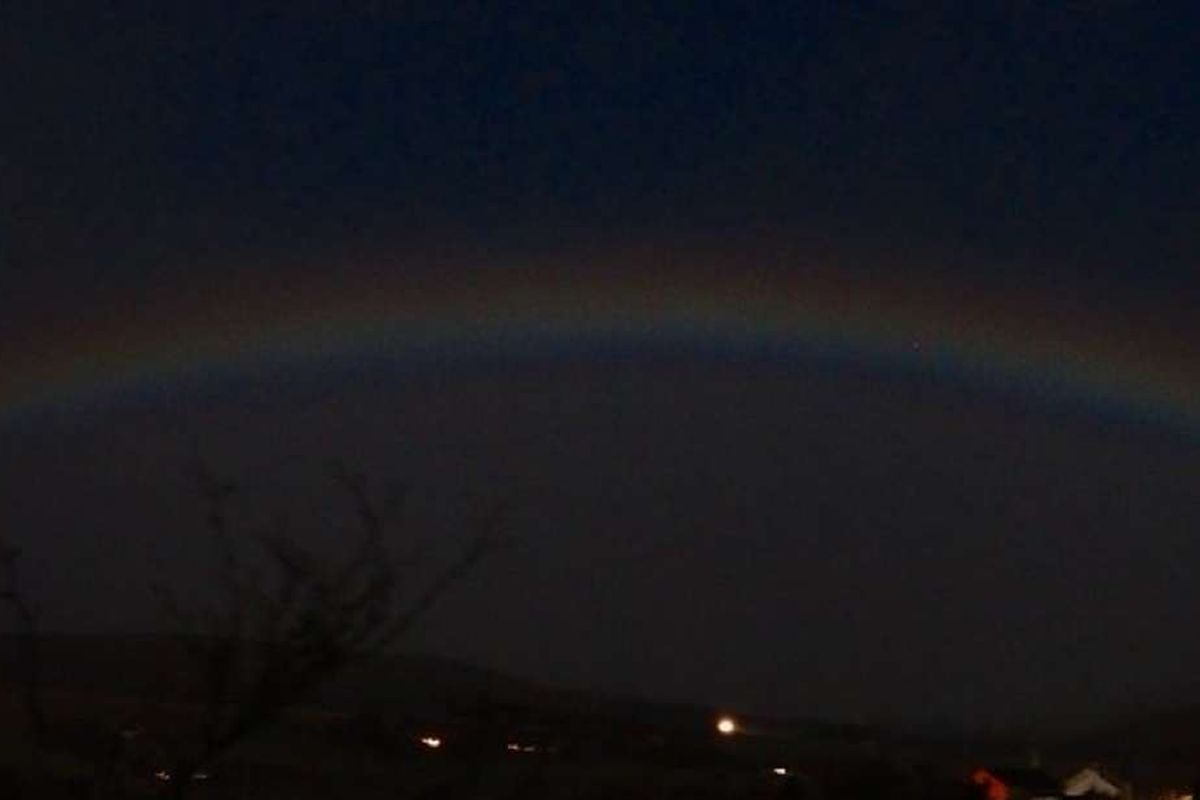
(1160,734)
(159,669)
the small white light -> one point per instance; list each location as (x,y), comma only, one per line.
(727,726)
(513,747)
(780,771)
(432,742)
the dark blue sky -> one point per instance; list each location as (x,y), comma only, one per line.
(808,537)
(1018,135)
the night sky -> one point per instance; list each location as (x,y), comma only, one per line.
(835,359)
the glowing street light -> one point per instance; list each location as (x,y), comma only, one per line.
(727,726)
(432,742)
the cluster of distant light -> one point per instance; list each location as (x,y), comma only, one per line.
(726,726)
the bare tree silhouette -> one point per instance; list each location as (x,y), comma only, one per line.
(28,660)
(283,619)
(289,618)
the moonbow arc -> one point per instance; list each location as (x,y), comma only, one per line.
(1026,348)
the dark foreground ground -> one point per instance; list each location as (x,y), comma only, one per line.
(117,710)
